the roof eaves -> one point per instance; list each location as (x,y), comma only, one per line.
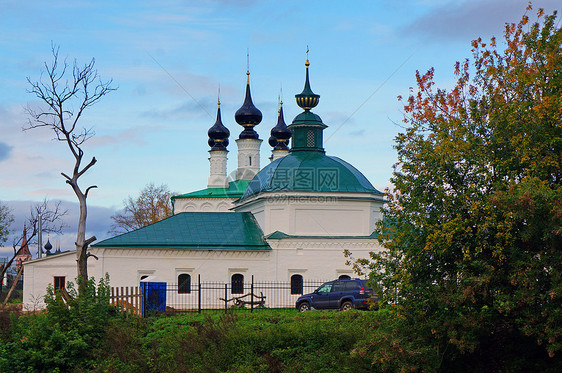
(277,235)
(191,247)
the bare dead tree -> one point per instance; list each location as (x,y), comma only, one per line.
(51,219)
(66,98)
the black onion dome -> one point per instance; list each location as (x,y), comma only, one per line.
(248,115)
(48,245)
(280,132)
(218,133)
(273,141)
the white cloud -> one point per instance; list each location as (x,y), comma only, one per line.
(467,20)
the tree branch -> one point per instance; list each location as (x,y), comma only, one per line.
(87,190)
(92,255)
(89,241)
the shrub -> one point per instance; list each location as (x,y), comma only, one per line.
(62,337)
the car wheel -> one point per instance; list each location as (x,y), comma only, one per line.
(304,306)
(346,306)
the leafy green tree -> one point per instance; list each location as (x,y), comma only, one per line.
(6,220)
(473,228)
(64,338)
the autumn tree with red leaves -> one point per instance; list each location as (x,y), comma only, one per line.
(473,228)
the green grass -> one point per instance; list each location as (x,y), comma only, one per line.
(268,340)
(94,338)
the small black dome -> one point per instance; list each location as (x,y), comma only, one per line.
(273,141)
(218,133)
(248,115)
(48,245)
(280,132)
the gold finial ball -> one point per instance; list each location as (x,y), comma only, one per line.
(307,102)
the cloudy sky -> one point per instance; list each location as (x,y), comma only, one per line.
(169,57)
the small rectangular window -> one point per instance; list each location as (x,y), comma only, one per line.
(60,282)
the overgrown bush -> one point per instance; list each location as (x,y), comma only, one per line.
(60,338)
(265,341)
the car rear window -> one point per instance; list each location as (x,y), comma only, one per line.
(350,285)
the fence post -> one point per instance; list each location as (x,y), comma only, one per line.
(143,290)
(126,296)
(252,295)
(199,294)
(225,297)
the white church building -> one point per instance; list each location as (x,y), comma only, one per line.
(288,221)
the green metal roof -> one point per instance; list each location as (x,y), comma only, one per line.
(235,190)
(307,118)
(309,171)
(196,230)
(277,235)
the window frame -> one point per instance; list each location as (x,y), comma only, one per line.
(237,283)
(182,287)
(296,287)
(59,282)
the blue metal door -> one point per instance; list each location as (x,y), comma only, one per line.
(154,297)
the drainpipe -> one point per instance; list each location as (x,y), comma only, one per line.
(39,239)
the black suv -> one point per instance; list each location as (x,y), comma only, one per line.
(342,294)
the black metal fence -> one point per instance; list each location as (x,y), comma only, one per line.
(213,295)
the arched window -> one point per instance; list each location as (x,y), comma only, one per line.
(237,283)
(296,284)
(344,277)
(143,277)
(184,284)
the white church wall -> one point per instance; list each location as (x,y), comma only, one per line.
(318,259)
(314,214)
(166,264)
(329,222)
(376,213)
(203,205)
(248,158)
(39,273)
